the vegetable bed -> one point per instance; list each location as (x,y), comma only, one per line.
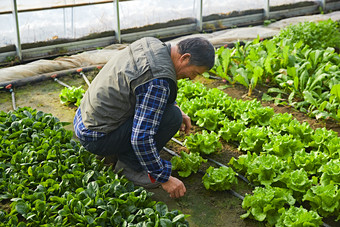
(294,169)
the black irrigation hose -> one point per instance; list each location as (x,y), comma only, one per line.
(202,172)
(238,175)
(218,163)
(47,76)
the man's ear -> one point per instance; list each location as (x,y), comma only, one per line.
(185,58)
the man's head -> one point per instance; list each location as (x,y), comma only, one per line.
(192,57)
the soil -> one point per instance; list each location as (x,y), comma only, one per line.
(206,208)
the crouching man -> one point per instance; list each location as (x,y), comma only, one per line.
(129,110)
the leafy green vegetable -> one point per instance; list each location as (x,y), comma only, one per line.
(71,95)
(265,169)
(330,172)
(50,180)
(297,181)
(282,146)
(316,35)
(299,216)
(267,203)
(281,151)
(300,61)
(310,162)
(231,129)
(253,138)
(187,163)
(205,143)
(219,179)
(324,199)
(208,118)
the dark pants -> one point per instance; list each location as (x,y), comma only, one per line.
(118,142)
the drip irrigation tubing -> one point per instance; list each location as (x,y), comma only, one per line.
(202,172)
(84,76)
(9,87)
(47,76)
(218,163)
(59,82)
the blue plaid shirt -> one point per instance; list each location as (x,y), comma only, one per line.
(151,99)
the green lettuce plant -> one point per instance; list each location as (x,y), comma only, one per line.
(299,216)
(330,172)
(71,95)
(187,163)
(324,199)
(203,143)
(219,179)
(253,139)
(267,203)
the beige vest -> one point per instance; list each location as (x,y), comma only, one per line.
(110,99)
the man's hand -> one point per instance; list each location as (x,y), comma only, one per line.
(174,187)
(186,125)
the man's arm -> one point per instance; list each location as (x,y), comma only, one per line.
(151,100)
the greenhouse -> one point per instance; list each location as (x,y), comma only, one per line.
(170,113)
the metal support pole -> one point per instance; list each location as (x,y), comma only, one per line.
(199,14)
(323,4)
(266,9)
(17,30)
(116,21)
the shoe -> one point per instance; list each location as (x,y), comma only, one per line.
(110,160)
(138,178)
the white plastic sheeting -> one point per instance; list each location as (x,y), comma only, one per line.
(76,22)
(102,56)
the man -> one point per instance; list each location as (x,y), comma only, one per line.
(129,109)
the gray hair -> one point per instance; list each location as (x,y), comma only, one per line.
(201,50)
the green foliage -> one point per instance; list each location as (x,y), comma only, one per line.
(254,138)
(316,35)
(190,107)
(300,61)
(208,118)
(50,180)
(231,129)
(191,90)
(324,199)
(297,181)
(281,153)
(219,179)
(309,161)
(299,216)
(267,203)
(282,146)
(330,172)
(204,143)
(187,163)
(71,95)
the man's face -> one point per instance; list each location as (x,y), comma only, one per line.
(190,71)
(186,70)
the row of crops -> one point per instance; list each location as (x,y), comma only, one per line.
(48,179)
(301,65)
(295,169)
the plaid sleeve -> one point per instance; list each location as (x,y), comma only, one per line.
(151,99)
(82,132)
